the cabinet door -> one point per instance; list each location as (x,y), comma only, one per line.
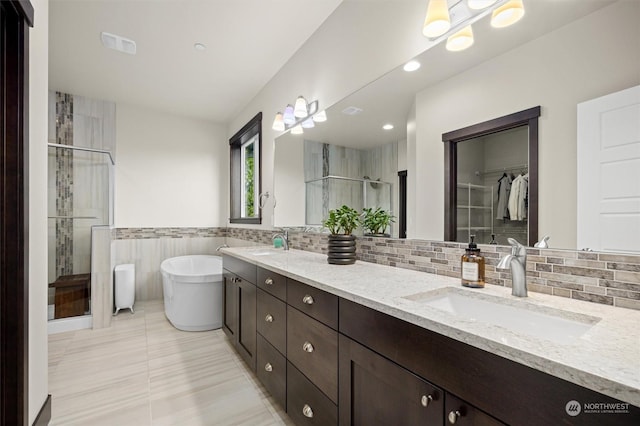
(230,314)
(247,322)
(459,412)
(376,391)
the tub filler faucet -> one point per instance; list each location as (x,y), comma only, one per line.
(517,262)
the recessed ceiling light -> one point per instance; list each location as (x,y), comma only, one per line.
(411,66)
(200,47)
(388,126)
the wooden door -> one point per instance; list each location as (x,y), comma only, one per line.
(230,308)
(608,209)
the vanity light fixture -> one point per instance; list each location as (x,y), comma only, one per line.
(308,123)
(278,123)
(320,117)
(387,126)
(411,66)
(303,115)
(300,109)
(289,117)
(437,21)
(461,40)
(480,4)
(507,14)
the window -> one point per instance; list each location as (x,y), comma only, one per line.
(246,173)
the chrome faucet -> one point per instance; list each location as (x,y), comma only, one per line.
(222,246)
(517,262)
(285,238)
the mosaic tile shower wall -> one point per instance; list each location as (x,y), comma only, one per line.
(64,185)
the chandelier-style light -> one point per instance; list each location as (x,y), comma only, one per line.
(301,115)
(507,14)
(455,22)
(437,21)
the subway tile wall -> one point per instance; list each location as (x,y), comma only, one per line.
(611,279)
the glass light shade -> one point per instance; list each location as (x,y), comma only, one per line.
(461,40)
(308,123)
(320,117)
(480,4)
(507,14)
(297,130)
(387,126)
(278,123)
(300,110)
(437,21)
(411,66)
(288,116)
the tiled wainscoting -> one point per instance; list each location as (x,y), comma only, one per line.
(610,279)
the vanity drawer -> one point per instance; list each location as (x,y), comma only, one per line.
(313,348)
(272,320)
(273,283)
(306,405)
(314,302)
(272,371)
(239,267)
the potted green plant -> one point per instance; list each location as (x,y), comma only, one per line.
(342,243)
(375,222)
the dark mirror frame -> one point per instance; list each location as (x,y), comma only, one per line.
(528,117)
(253,127)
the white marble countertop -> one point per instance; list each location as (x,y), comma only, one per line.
(605,359)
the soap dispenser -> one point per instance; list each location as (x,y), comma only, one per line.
(472,266)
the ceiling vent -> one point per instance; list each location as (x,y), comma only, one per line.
(352,110)
(118,43)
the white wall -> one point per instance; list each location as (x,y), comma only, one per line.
(355,45)
(38,116)
(556,71)
(170,170)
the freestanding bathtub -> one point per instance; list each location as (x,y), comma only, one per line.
(192,287)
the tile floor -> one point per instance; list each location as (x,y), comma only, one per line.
(142,371)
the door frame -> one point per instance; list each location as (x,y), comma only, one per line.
(16,17)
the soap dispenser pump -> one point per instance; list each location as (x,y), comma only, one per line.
(472,266)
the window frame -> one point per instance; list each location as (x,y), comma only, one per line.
(237,144)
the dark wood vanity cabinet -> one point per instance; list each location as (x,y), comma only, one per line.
(374,390)
(240,307)
(330,361)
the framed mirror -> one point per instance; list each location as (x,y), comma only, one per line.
(491,180)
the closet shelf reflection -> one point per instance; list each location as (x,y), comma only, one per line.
(73,217)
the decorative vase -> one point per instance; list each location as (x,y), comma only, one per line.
(342,249)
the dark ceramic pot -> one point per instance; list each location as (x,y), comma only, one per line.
(341,250)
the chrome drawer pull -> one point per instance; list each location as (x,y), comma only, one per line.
(425,400)
(268,318)
(268,281)
(453,416)
(307,299)
(307,347)
(307,411)
(268,367)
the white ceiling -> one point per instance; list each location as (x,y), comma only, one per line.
(247,41)
(389,99)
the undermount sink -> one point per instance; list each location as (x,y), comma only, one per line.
(519,316)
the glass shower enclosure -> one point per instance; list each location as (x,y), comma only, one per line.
(80,195)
